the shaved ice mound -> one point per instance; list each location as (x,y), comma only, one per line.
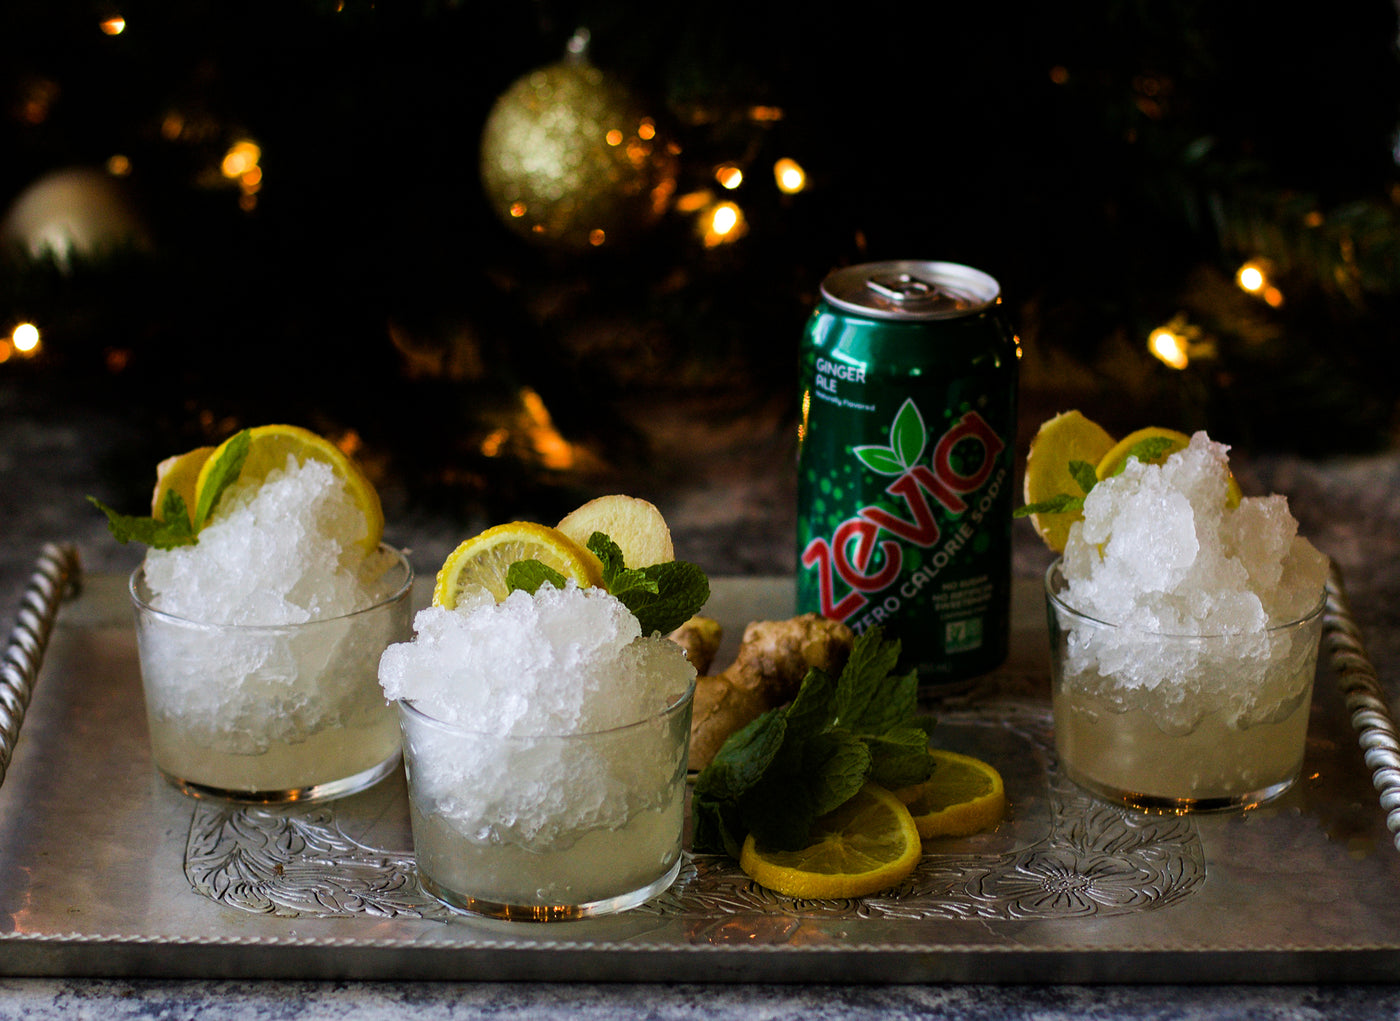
(283,551)
(1159,553)
(555,662)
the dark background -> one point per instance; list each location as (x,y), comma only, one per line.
(1112,163)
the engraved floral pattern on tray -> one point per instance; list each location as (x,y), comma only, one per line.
(1061,854)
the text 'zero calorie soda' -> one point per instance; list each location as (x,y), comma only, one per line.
(908,375)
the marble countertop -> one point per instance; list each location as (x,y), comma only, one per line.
(80,1000)
(734,515)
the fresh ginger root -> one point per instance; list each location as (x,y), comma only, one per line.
(700,638)
(773,658)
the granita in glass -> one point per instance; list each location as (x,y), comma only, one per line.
(259,641)
(545,741)
(1184,631)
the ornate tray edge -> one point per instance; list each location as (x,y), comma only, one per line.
(56,574)
(1365,700)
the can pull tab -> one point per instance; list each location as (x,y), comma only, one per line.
(904,290)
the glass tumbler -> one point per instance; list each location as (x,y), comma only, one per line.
(547,827)
(272,713)
(1175,723)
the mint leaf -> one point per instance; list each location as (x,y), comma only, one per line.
(661,596)
(221,474)
(1085,474)
(1151,449)
(899,757)
(812,777)
(1055,505)
(861,701)
(174,527)
(775,777)
(173,531)
(531,574)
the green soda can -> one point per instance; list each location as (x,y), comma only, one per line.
(905,468)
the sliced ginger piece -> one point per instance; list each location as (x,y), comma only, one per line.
(634,524)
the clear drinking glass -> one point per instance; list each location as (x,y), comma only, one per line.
(548,827)
(1179,723)
(275,713)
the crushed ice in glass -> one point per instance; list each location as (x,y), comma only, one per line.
(281,552)
(1159,550)
(558,662)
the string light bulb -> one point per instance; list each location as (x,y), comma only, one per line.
(789,175)
(1179,342)
(722,223)
(1254,277)
(729,176)
(25,339)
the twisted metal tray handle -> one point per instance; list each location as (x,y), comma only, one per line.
(1365,701)
(55,574)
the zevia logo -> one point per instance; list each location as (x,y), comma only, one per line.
(919,488)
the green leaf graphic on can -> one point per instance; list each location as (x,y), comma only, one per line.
(907,440)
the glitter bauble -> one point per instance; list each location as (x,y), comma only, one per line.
(569,158)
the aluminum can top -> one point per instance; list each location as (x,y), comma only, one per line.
(910,290)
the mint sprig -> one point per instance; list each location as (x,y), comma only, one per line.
(175,526)
(775,777)
(661,596)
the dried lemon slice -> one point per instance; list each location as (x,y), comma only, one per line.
(268,447)
(484,559)
(867,845)
(963,796)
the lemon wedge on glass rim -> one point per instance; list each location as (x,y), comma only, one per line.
(484,559)
(868,844)
(268,447)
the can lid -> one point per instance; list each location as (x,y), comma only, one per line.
(911,290)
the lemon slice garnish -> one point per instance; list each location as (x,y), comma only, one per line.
(1060,440)
(1114,461)
(180,473)
(484,559)
(867,845)
(268,448)
(963,796)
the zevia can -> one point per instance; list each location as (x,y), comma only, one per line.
(905,471)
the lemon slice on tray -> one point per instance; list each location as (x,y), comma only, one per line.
(867,845)
(963,796)
(484,560)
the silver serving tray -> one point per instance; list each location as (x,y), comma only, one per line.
(107,870)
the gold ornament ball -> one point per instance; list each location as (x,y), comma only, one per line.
(70,215)
(570,159)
